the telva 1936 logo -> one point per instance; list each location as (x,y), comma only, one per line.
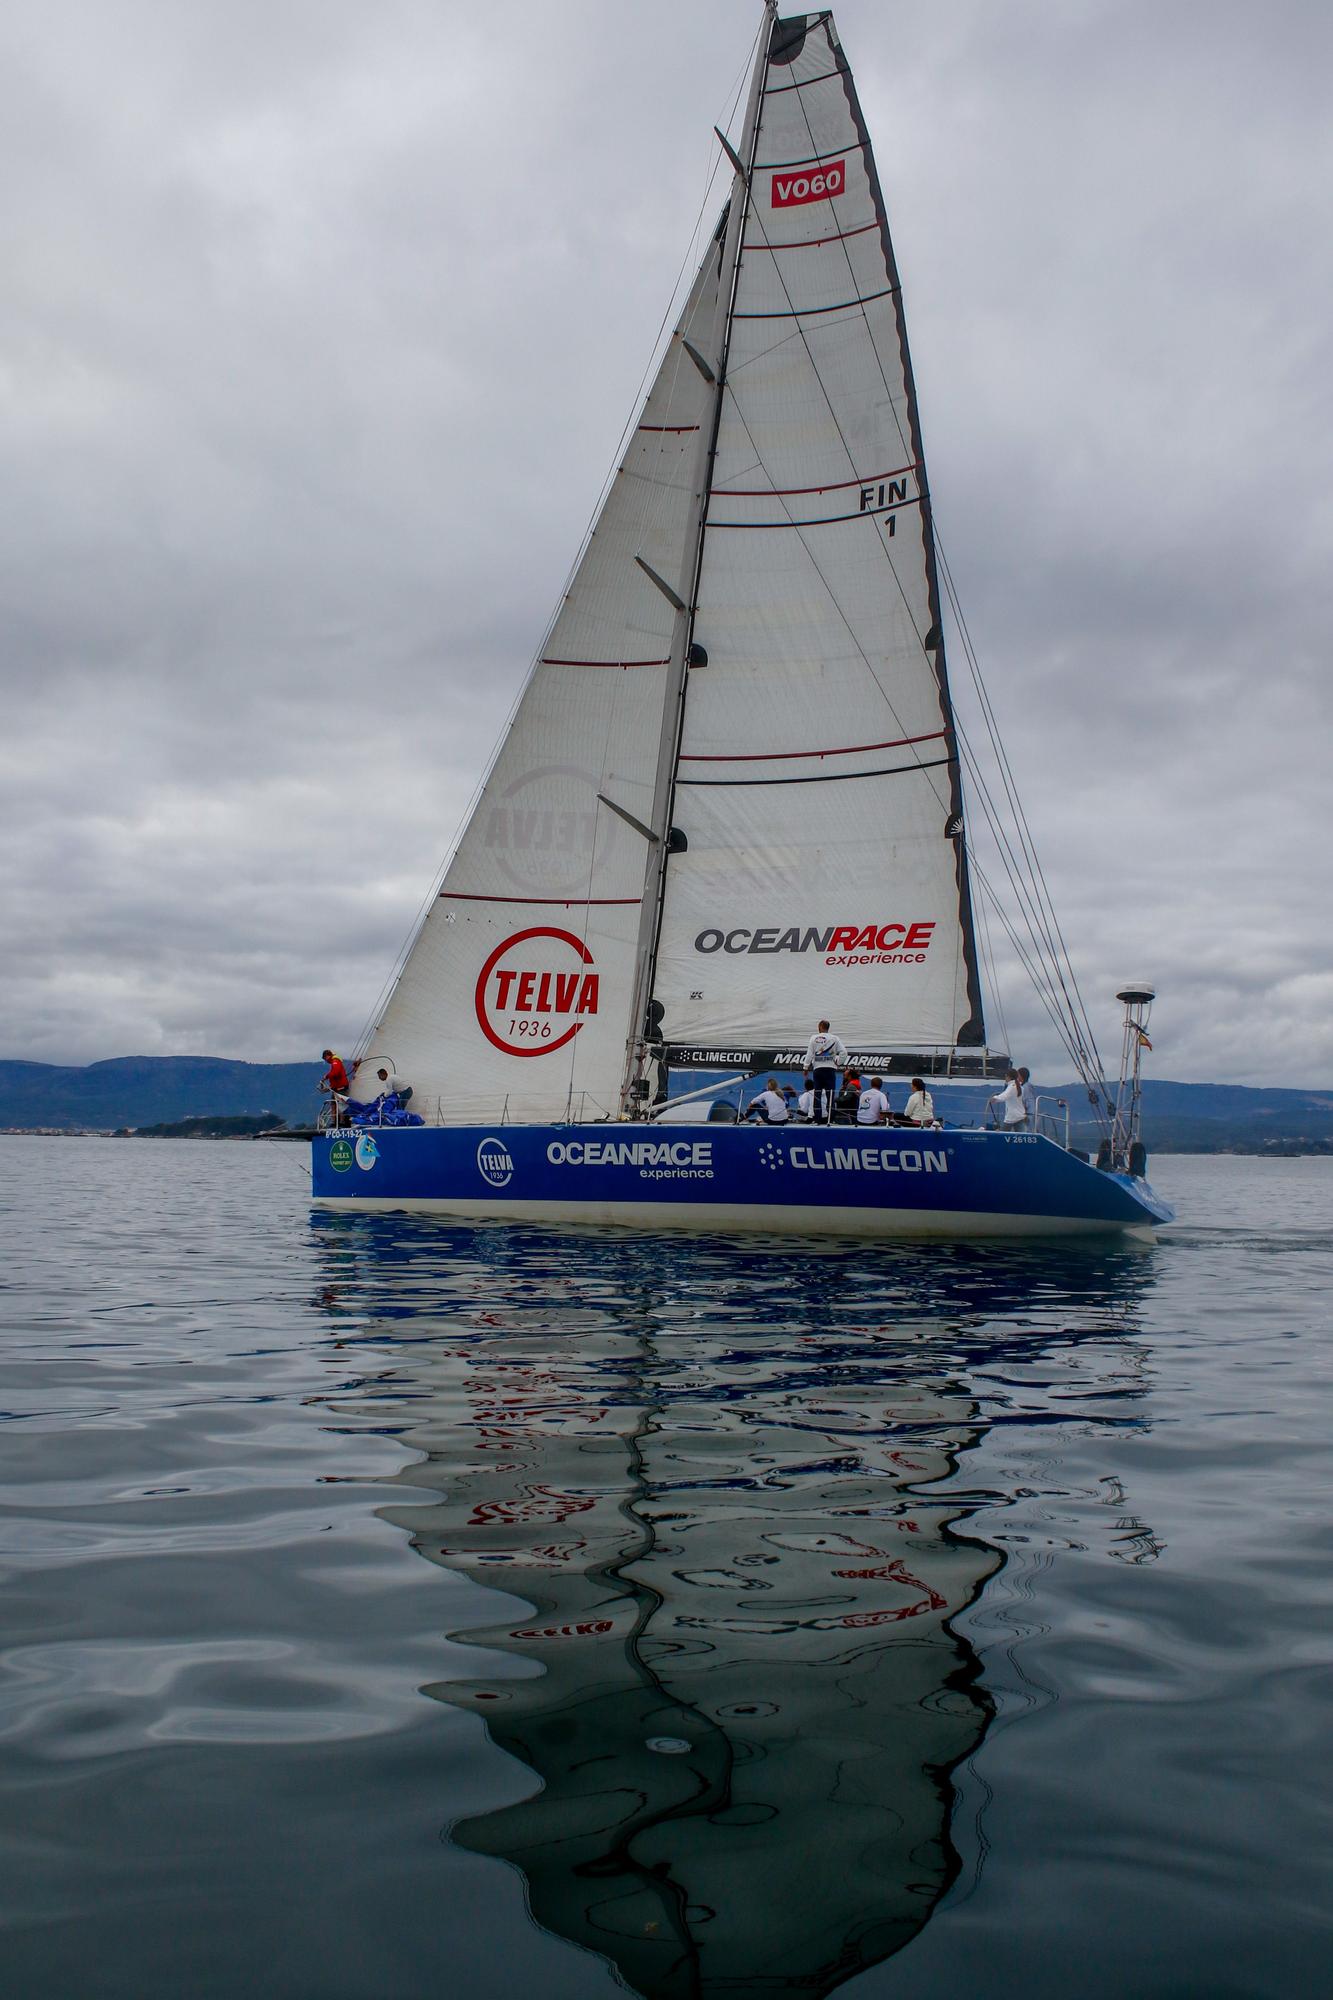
(495,1163)
(536,990)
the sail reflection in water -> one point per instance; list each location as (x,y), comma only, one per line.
(715,1477)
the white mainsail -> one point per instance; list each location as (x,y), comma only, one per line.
(817,781)
(517,989)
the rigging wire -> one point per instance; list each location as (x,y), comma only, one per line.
(990,969)
(1033,916)
(1049,922)
(1057,1015)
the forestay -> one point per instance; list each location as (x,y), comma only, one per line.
(817,777)
(517,989)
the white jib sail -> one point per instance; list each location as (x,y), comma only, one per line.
(817,775)
(517,989)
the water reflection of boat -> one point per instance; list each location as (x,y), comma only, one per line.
(715,1482)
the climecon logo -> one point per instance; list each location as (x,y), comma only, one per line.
(535,991)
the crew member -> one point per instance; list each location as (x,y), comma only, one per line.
(873,1105)
(825,1055)
(386,1080)
(920,1105)
(1006,1108)
(334,1078)
(335,1082)
(770,1105)
(847,1100)
(378,1090)
(1028,1095)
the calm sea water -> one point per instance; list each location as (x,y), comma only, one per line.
(391,1609)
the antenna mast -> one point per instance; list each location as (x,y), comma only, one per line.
(1127,1149)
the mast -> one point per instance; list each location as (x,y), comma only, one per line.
(686,592)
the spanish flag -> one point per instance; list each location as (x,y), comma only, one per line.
(1144,1043)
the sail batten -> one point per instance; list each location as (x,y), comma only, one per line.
(830,777)
(830,750)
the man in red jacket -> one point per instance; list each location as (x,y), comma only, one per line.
(334,1079)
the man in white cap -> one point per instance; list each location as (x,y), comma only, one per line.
(825,1055)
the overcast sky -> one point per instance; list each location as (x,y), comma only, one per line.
(319,324)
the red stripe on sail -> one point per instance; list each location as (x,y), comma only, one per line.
(560,902)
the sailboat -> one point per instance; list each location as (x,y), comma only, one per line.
(729,804)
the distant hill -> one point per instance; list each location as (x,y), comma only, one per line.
(215,1127)
(158,1090)
(1187,1117)
(153,1090)
(1227,1117)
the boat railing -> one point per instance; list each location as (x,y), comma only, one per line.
(1052,1119)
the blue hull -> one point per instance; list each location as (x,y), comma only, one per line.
(802,1178)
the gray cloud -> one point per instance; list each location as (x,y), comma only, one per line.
(318,326)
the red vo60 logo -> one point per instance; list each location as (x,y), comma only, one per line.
(819,183)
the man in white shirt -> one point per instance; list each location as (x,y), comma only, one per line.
(920,1105)
(805,1104)
(825,1055)
(770,1105)
(873,1106)
(373,1086)
(387,1079)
